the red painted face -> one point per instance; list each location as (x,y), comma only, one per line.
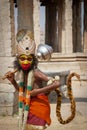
(25,67)
(25,61)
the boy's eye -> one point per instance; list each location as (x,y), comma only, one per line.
(22,58)
(29,59)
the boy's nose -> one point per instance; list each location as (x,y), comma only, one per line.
(26,61)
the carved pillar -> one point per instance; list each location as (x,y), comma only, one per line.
(63,28)
(12,27)
(77,27)
(51,37)
(68,27)
(36,18)
(5,28)
(25,14)
(79,36)
(60,10)
(8,100)
(85,26)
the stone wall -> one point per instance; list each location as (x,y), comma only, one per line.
(8,99)
(8,103)
(8,95)
(5,29)
(64,61)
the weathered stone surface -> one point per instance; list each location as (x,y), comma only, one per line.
(36,18)
(8,99)
(68,26)
(5,27)
(7,88)
(8,110)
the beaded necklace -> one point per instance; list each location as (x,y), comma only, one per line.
(24,101)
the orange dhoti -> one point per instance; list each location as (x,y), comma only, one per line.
(40,108)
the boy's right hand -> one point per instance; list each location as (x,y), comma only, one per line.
(10,76)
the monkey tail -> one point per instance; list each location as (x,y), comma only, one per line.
(71,98)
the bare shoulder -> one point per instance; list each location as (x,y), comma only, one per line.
(39,74)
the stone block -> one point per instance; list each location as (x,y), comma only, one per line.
(8,99)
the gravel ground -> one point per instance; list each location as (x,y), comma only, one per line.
(79,122)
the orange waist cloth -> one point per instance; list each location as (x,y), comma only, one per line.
(40,107)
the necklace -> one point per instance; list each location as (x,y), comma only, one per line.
(24,101)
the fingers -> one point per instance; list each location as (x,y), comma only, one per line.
(8,75)
(52,80)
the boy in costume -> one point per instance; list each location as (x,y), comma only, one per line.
(33,97)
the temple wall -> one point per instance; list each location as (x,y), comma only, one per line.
(8,103)
(36,18)
(64,60)
(5,28)
(72,63)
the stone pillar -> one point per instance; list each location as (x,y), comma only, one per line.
(63,29)
(74,26)
(36,18)
(85,26)
(77,29)
(79,36)
(25,14)
(60,10)
(8,100)
(5,28)
(51,37)
(12,28)
(68,47)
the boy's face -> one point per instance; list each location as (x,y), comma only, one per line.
(25,61)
